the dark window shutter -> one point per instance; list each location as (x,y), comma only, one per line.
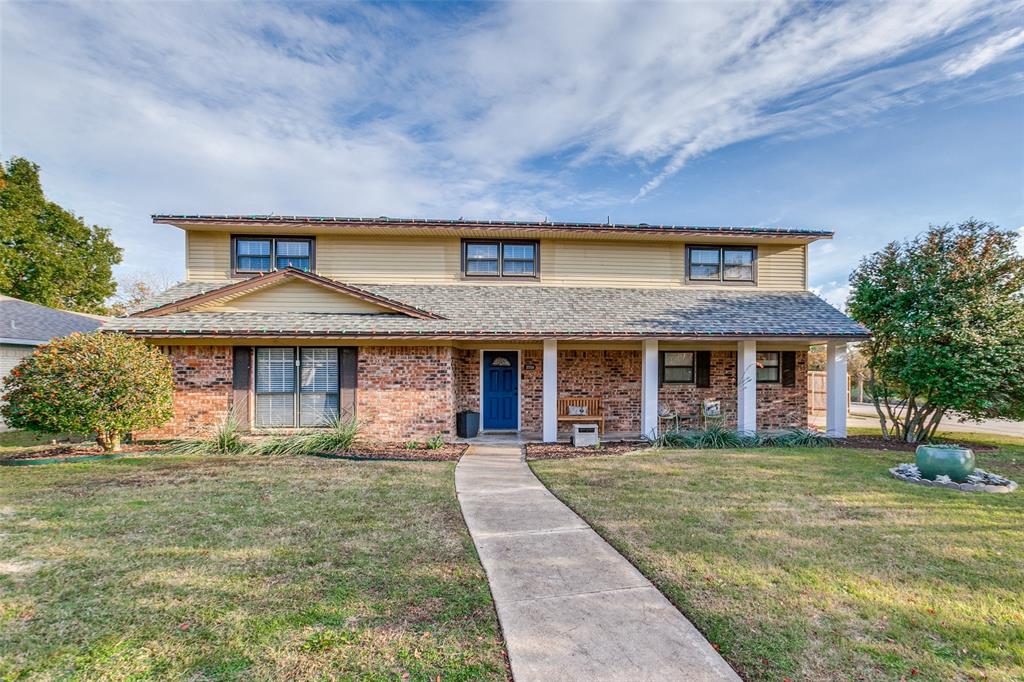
(661,368)
(240,370)
(702,368)
(788,368)
(347,382)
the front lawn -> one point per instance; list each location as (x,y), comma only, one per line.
(814,564)
(241,568)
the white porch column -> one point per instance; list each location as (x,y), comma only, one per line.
(835,389)
(746,386)
(649,383)
(550,401)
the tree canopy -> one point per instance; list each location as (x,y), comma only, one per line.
(48,255)
(946,311)
(110,384)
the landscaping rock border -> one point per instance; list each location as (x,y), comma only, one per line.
(980,481)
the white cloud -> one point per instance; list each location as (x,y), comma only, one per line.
(133,108)
(988,52)
(835,293)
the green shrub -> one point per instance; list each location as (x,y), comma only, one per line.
(802,438)
(717,438)
(412,445)
(338,435)
(226,440)
(436,442)
(102,383)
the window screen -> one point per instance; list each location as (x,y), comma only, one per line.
(739,265)
(768,367)
(253,255)
(292,254)
(705,264)
(296,395)
(318,371)
(275,387)
(518,259)
(677,367)
(482,259)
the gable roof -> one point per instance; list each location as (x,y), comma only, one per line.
(30,324)
(525,226)
(236,289)
(473,311)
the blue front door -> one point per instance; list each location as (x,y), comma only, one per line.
(501,390)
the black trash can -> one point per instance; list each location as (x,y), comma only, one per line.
(467,424)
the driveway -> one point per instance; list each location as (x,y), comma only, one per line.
(863,414)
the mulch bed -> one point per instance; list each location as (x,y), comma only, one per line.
(449,453)
(877,443)
(70,451)
(566,451)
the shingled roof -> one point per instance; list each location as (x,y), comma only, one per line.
(24,323)
(523,312)
(469,224)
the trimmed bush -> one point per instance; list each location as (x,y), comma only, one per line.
(107,384)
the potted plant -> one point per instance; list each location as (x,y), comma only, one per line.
(945,460)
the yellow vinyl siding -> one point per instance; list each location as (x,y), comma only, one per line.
(563,262)
(295,297)
(208,256)
(781,266)
(632,264)
(407,260)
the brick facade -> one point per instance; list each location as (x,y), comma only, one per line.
(405,392)
(780,406)
(612,375)
(685,399)
(466,366)
(202,390)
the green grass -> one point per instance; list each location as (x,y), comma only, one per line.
(19,441)
(814,564)
(240,568)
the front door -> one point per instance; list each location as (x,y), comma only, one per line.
(501,390)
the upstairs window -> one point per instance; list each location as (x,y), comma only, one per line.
(499,259)
(263,254)
(720,264)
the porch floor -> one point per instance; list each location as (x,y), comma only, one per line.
(514,438)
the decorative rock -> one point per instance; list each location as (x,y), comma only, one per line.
(977,481)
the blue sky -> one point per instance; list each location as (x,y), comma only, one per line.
(871,119)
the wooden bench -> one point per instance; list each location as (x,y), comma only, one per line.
(594,415)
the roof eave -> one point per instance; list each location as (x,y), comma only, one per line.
(183,221)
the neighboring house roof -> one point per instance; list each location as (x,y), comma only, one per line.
(29,324)
(518,225)
(488,311)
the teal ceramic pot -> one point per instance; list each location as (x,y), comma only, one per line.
(936,460)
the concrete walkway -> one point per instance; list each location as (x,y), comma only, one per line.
(570,606)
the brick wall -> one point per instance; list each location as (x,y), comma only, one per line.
(202,391)
(685,399)
(612,375)
(405,392)
(467,379)
(531,391)
(779,406)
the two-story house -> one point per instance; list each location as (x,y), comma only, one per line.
(404,323)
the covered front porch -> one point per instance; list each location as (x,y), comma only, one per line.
(640,388)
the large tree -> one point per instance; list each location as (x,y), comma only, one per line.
(946,311)
(49,255)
